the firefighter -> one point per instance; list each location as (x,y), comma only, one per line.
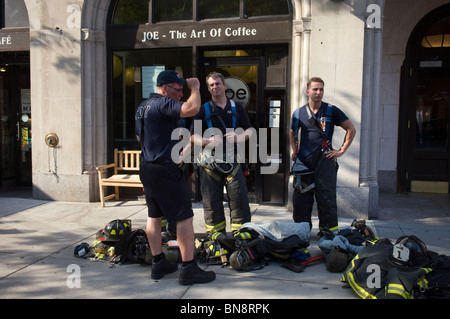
(313,147)
(222,115)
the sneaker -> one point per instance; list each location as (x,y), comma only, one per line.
(192,274)
(163,267)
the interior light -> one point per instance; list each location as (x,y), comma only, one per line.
(436,41)
(137,74)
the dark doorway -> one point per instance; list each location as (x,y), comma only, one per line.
(15,124)
(424,153)
(245,71)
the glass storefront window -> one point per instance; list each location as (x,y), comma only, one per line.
(131,12)
(173,10)
(14,14)
(208,9)
(232,53)
(138,11)
(255,8)
(134,75)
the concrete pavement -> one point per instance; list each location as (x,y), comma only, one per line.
(38,238)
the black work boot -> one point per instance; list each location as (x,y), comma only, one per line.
(192,274)
(163,267)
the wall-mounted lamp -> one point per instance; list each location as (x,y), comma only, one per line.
(52,140)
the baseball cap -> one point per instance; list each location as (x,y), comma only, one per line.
(169,76)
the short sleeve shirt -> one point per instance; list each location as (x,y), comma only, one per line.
(310,138)
(159,121)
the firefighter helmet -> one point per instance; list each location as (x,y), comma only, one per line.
(115,229)
(244,259)
(240,259)
(409,251)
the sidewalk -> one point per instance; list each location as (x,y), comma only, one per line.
(38,238)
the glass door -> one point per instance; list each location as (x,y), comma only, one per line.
(429,123)
(242,75)
(15,124)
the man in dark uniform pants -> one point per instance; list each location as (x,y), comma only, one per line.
(166,191)
(224,117)
(313,148)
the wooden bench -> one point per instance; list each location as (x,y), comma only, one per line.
(127,164)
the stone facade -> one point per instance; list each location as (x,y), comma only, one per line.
(357,47)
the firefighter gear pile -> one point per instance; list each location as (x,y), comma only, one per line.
(116,242)
(342,245)
(404,270)
(255,244)
(374,268)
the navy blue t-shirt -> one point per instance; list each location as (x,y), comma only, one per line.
(310,139)
(159,120)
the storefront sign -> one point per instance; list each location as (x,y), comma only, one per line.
(15,40)
(199,34)
(148,36)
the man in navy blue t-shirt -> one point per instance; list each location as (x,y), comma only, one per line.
(166,191)
(213,179)
(310,136)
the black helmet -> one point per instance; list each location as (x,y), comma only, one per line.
(243,259)
(240,259)
(115,229)
(409,251)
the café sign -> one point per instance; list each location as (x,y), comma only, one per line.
(198,33)
(15,40)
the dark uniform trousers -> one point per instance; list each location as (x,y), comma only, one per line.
(212,183)
(325,179)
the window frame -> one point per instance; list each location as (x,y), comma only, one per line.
(195,13)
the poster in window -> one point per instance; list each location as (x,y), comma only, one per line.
(149,76)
